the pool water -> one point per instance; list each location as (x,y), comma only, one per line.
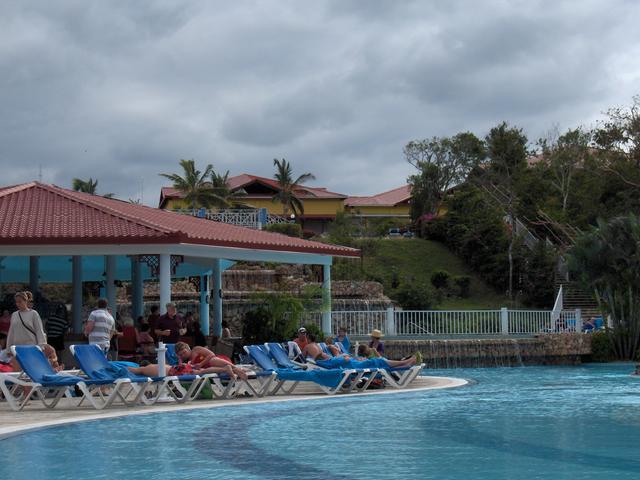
(509,423)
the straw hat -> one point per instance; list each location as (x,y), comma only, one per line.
(376,333)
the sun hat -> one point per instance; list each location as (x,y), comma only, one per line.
(376,333)
(302,330)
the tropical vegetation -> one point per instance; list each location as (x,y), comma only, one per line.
(287,195)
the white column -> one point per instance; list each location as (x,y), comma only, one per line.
(504,321)
(110,287)
(34,274)
(326,299)
(578,320)
(390,323)
(204,304)
(164,278)
(216,293)
(76,304)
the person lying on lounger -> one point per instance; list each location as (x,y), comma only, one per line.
(203,360)
(204,363)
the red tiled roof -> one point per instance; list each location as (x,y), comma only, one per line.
(243,180)
(40,214)
(385,199)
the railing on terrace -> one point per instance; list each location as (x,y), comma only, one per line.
(403,323)
(255,218)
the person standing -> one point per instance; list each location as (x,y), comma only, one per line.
(169,326)
(26,325)
(100,326)
(152,320)
(57,326)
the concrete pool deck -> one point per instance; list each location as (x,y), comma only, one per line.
(35,416)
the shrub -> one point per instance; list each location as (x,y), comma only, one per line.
(415,296)
(275,319)
(290,229)
(601,350)
(435,229)
(463,284)
(315,330)
(440,279)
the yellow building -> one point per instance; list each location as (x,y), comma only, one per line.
(320,205)
(391,204)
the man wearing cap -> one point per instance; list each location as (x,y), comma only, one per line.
(376,344)
(302,340)
(169,326)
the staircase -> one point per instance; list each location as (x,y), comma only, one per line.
(574,297)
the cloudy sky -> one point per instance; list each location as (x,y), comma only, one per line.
(121,90)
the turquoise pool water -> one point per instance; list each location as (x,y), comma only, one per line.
(518,423)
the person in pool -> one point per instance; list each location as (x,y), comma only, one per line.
(636,372)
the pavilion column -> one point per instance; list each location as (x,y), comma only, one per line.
(216,276)
(110,268)
(326,299)
(76,285)
(204,304)
(164,278)
(137,288)
(34,274)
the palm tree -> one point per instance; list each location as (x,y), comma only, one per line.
(87,186)
(223,196)
(194,185)
(287,194)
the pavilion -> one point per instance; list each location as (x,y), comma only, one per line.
(52,234)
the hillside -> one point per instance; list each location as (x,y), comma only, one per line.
(417,259)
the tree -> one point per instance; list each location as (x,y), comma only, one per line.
(441,163)
(507,151)
(87,186)
(287,194)
(193,184)
(564,155)
(222,195)
(619,141)
(606,261)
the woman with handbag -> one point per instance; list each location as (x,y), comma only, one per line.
(26,325)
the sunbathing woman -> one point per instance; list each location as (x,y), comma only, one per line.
(203,360)
(200,367)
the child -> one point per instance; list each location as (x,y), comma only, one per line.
(145,340)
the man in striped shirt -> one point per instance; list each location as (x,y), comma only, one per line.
(100,326)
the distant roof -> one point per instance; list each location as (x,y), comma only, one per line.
(244,180)
(41,214)
(384,199)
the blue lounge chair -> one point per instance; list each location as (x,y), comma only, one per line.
(44,380)
(222,386)
(330,381)
(93,362)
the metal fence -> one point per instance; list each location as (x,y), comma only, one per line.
(402,323)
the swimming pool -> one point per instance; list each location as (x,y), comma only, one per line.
(518,423)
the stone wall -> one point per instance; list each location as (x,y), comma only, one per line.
(548,349)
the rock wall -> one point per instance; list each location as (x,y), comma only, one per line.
(548,349)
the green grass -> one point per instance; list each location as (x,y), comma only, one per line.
(415,260)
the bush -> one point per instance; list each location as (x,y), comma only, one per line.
(463,284)
(440,279)
(290,229)
(415,296)
(435,229)
(314,330)
(601,350)
(275,319)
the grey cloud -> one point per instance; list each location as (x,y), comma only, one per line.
(122,90)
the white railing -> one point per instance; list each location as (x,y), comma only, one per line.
(243,217)
(402,323)
(463,322)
